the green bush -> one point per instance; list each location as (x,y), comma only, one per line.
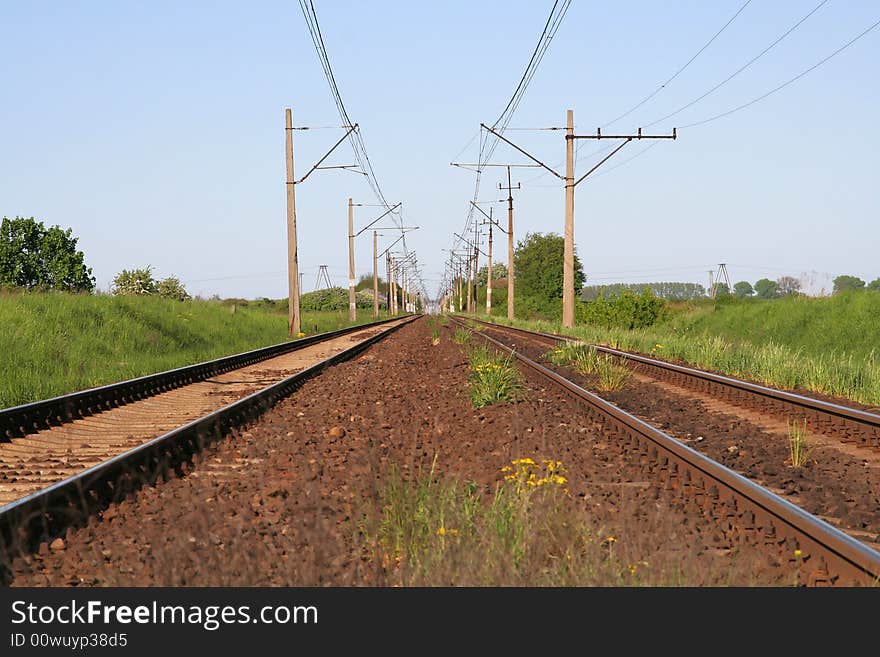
(627,311)
(334,298)
(134,282)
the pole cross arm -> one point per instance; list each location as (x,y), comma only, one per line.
(528,155)
(470,244)
(387,212)
(638,135)
(627,139)
(327,154)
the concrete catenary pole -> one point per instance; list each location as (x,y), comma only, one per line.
(375,276)
(352,306)
(568,244)
(489,274)
(293,322)
(509,248)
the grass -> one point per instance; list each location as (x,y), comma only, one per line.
(462,336)
(798,448)
(612,376)
(836,370)
(493,378)
(56,343)
(580,356)
(584,358)
(441,532)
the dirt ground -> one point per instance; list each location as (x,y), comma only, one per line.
(280,502)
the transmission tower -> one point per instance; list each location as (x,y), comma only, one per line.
(323,280)
(716,280)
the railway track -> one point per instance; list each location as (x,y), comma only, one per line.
(849,425)
(63,458)
(742,510)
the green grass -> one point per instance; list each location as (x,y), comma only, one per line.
(442,532)
(843,324)
(493,378)
(825,345)
(55,343)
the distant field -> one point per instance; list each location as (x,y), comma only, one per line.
(55,343)
(846,324)
(829,345)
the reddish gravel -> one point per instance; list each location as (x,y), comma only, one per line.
(280,502)
(837,486)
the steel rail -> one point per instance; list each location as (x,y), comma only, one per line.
(27,521)
(826,417)
(829,555)
(18,421)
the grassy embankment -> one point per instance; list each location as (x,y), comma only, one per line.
(828,345)
(52,344)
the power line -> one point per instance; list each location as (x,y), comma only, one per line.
(679,71)
(356,138)
(741,68)
(786,83)
(554,20)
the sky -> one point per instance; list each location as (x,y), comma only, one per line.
(155,131)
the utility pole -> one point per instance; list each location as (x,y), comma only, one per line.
(375,276)
(388,282)
(352,306)
(570,184)
(489,271)
(492,223)
(568,241)
(352,296)
(476,267)
(293,316)
(509,189)
(292,259)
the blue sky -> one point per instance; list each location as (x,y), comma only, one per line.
(155,131)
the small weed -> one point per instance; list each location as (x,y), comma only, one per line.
(798,449)
(493,378)
(585,359)
(577,355)
(611,375)
(461,336)
(435,336)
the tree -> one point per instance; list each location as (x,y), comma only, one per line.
(365,282)
(721,290)
(844,283)
(874,285)
(766,289)
(788,285)
(33,256)
(499,271)
(743,289)
(537,266)
(661,290)
(172,288)
(134,282)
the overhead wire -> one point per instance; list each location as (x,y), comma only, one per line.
(680,70)
(487,149)
(741,68)
(786,83)
(355,137)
